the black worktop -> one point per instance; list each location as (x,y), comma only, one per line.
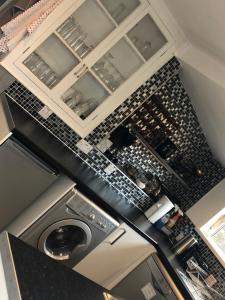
(33,275)
(39,140)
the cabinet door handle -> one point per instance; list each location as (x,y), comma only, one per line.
(116,236)
(82,73)
(79,70)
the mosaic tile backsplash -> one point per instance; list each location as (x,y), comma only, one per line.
(167,87)
(95,159)
(188,139)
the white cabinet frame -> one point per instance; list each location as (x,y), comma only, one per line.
(51,97)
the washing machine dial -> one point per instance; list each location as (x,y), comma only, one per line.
(91,217)
(103,226)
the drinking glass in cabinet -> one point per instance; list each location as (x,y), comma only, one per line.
(120,9)
(147,37)
(72,98)
(81,32)
(39,68)
(117,65)
(51,61)
(85,96)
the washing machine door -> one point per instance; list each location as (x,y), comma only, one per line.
(65,239)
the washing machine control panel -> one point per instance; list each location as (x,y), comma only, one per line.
(82,206)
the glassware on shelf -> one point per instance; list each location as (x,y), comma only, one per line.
(31,60)
(99,66)
(79,41)
(41,69)
(147,37)
(84,95)
(142,46)
(85,108)
(72,98)
(52,80)
(72,38)
(72,34)
(146,46)
(75,101)
(84,50)
(108,73)
(135,40)
(75,37)
(66,27)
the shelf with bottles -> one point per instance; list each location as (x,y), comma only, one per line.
(153,127)
(158,132)
(148,182)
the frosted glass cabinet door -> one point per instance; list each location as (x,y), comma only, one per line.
(120,9)
(117,65)
(85,96)
(147,37)
(86,28)
(51,61)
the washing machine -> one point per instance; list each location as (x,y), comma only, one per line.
(64,224)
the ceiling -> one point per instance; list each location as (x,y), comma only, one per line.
(202,21)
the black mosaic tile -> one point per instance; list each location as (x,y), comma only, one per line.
(134,101)
(166,85)
(95,159)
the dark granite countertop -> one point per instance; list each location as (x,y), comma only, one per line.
(61,158)
(31,275)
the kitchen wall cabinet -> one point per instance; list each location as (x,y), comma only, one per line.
(88,56)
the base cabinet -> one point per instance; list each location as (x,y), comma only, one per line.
(115,257)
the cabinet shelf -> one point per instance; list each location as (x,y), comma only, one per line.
(67,46)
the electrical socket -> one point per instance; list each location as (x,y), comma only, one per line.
(104,145)
(84,146)
(110,169)
(211,280)
(45,112)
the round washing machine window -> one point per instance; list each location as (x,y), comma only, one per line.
(64,239)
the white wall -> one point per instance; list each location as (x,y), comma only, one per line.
(3,286)
(208,206)
(203,74)
(170,22)
(202,22)
(205,212)
(204,79)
